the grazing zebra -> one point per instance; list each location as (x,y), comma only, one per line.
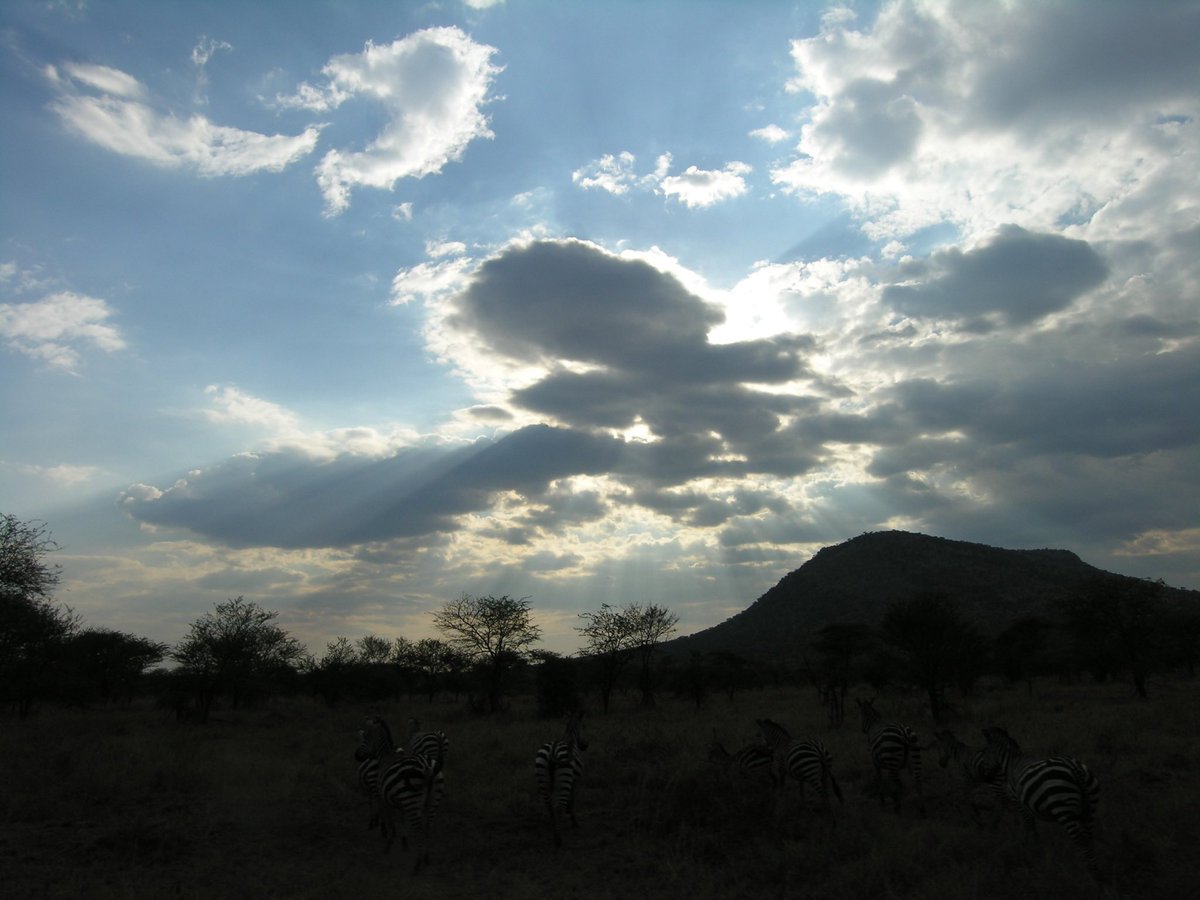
(754,761)
(409,783)
(429,744)
(806,761)
(1058,789)
(978,774)
(558,767)
(893,747)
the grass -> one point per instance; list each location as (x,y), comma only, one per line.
(130,803)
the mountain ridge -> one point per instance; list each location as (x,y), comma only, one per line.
(856,580)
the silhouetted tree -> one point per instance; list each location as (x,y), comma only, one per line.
(649,625)
(1119,618)
(1022,650)
(228,649)
(608,641)
(33,627)
(927,630)
(838,647)
(555,683)
(496,632)
(108,664)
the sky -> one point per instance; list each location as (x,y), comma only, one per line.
(351,308)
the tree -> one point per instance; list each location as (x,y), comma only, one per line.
(649,625)
(108,664)
(24,572)
(496,632)
(1119,618)
(838,646)
(33,627)
(229,649)
(608,640)
(928,631)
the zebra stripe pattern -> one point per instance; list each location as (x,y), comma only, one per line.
(368,779)
(809,762)
(558,768)
(1056,789)
(754,761)
(894,747)
(409,783)
(430,744)
(977,773)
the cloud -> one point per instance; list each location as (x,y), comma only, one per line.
(984,114)
(54,328)
(771,134)
(116,114)
(695,187)
(1017,275)
(433,84)
(281,499)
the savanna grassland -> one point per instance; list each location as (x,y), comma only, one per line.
(264,803)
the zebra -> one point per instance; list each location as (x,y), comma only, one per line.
(893,747)
(754,761)
(558,767)
(427,743)
(407,782)
(806,761)
(1059,789)
(978,774)
(368,779)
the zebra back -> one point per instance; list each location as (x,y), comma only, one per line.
(430,744)
(893,747)
(558,768)
(1058,788)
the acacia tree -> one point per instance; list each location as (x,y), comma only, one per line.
(929,631)
(495,632)
(608,635)
(1119,618)
(109,664)
(649,626)
(227,649)
(33,628)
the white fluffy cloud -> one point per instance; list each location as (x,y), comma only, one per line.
(985,114)
(54,328)
(434,85)
(112,109)
(695,187)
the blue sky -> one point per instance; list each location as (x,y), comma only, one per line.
(358,307)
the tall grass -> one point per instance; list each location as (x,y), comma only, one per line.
(130,803)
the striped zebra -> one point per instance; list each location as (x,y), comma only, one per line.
(754,761)
(558,767)
(411,784)
(429,744)
(977,773)
(368,779)
(806,761)
(893,747)
(1056,789)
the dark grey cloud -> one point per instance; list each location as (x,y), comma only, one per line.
(874,125)
(1075,61)
(288,500)
(1019,275)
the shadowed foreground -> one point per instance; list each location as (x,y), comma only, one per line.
(129,803)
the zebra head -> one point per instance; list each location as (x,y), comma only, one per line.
(376,737)
(1001,748)
(773,734)
(870,715)
(946,742)
(575,730)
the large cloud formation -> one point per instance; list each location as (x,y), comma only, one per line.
(1029,381)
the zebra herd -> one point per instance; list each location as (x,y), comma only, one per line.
(410,782)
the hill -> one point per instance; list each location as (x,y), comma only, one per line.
(856,581)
